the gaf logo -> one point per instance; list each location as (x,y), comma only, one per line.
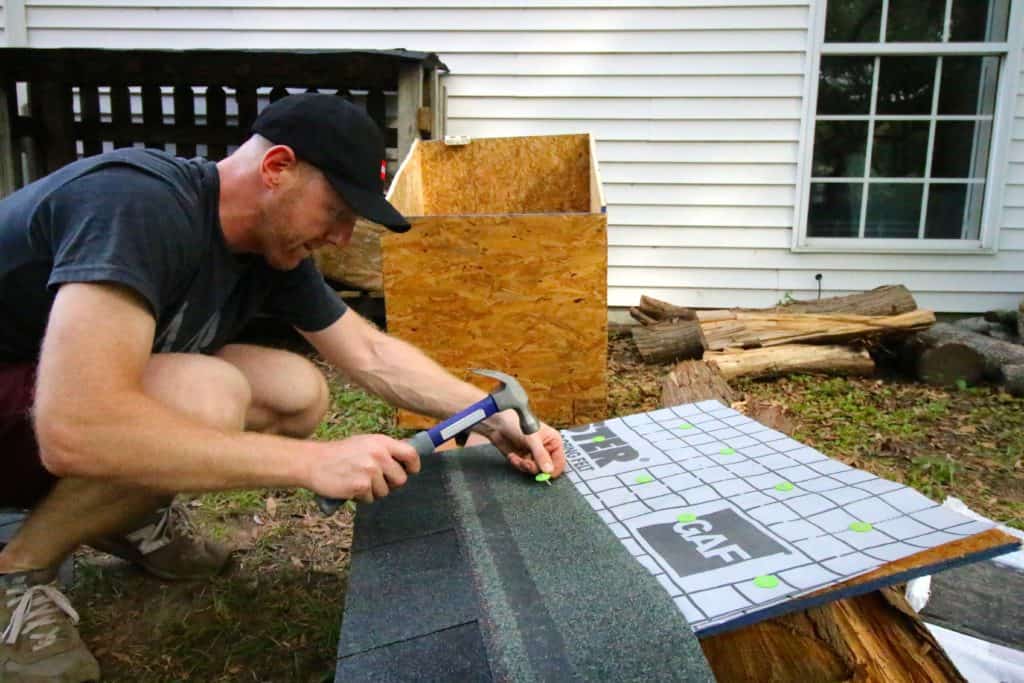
(712,541)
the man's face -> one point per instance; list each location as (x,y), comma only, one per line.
(306,214)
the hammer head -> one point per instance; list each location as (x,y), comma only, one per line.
(512,396)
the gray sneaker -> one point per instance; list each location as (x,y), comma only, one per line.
(40,642)
(169,547)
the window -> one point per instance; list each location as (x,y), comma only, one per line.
(906,101)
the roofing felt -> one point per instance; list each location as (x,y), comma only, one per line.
(475,572)
(740,522)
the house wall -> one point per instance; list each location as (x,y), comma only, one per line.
(697,107)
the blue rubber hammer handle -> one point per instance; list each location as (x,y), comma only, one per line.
(428,440)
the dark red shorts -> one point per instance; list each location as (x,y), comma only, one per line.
(23,479)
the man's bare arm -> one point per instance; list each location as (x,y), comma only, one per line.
(93,418)
(406,377)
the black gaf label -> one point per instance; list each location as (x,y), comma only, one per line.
(712,541)
(597,446)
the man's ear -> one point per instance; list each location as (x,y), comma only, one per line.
(278,165)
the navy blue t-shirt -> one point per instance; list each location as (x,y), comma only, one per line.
(149,221)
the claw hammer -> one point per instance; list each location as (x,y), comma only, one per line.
(509,396)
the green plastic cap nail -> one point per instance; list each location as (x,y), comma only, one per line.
(686,425)
(543,476)
(686,517)
(861,527)
(784,486)
(766,581)
(726,451)
(644,479)
(597,439)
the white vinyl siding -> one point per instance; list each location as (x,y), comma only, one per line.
(697,107)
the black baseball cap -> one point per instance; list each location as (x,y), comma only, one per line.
(342,141)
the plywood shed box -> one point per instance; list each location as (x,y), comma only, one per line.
(505,267)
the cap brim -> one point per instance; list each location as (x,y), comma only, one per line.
(370,205)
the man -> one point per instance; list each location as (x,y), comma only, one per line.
(123,280)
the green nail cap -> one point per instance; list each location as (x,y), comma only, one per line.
(644,479)
(861,527)
(784,486)
(686,425)
(543,476)
(766,581)
(597,439)
(726,451)
(687,517)
(350,505)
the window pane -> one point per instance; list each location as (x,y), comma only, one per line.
(844,85)
(961,149)
(968,85)
(853,21)
(905,85)
(893,210)
(839,149)
(979,20)
(900,149)
(949,216)
(834,210)
(918,21)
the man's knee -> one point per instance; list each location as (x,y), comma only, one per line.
(289,393)
(205,388)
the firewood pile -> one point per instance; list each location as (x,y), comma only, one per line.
(828,336)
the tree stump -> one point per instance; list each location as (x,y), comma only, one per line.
(993,352)
(1013,379)
(668,342)
(694,380)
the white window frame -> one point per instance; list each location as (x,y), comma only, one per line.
(998,164)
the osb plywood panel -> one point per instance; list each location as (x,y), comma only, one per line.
(522,294)
(543,174)
(406,191)
(357,264)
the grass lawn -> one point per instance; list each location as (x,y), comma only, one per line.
(275,615)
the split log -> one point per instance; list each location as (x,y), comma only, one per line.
(994,353)
(694,380)
(773,329)
(652,311)
(792,358)
(669,341)
(885,300)
(1013,379)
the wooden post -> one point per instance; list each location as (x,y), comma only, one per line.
(247,111)
(216,117)
(152,115)
(184,117)
(437,105)
(410,99)
(89,96)
(8,176)
(120,113)
(52,107)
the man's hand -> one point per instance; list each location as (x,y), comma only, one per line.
(363,468)
(534,453)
